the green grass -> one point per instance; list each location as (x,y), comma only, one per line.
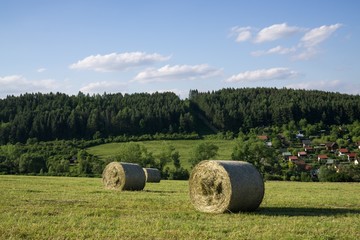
(80,208)
(185,148)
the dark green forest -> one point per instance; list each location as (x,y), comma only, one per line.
(59,116)
(53,116)
(243,109)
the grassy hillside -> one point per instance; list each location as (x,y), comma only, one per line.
(80,208)
(185,148)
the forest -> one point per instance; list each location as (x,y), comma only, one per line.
(242,109)
(59,116)
(54,116)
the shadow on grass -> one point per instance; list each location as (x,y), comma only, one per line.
(305,211)
(159,191)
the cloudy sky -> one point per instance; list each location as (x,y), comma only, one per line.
(98,46)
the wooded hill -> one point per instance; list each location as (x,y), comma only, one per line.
(60,116)
(234,109)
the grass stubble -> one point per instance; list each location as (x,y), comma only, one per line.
(81,208)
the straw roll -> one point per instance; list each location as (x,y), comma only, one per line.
(225,186)
(152,175)
(123,176)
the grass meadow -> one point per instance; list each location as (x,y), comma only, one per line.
(184,147)
(80,208)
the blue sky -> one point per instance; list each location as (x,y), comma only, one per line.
(98,46)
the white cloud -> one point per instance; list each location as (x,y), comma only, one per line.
(317,35)
(242,33)
(177,72)
(40,70)
(281,50)
(17,84)
(10,80)
(305,54)
(104,86)
(310,41)
(275,32)
(276,50)
(118,61)
(263,75)
(306,48)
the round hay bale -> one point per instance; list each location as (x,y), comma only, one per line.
(152,175)
(123,176)
(218,186)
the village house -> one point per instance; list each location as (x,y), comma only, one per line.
(286,155)
(330,162)
(331,146)
(302,154)
(351,157)
(300,163)
(293,158)
(306,143)
(343,152)
(309,149)
(263,138)
(300,135)
(321,146)
(322,158)
(266,140)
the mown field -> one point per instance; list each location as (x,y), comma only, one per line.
(184,147)
(80,208)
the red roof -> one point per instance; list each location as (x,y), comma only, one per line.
(343,150)
(323,156)
(263,137)
(292,158)
(302,153)
(352,155)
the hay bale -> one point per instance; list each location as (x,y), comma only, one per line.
(152,175)
(225,186)
(123,176)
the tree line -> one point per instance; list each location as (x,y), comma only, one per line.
(54,116)
(59,116)
(243,109)
(68,158)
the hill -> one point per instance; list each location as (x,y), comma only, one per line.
(59,116)
(234,109)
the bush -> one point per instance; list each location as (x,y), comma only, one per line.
(179,174)
(330,175)
(305,177)
(273,177)
(204,151)
(326,174)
